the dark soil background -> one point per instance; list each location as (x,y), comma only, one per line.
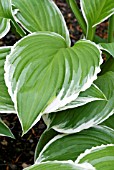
(19,153)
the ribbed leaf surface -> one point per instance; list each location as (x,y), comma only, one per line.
(5,9)
(41,15)
(56,165)
(96,11)
(43,74)
(109,47)
(102,157)
(109,122)
(4,130)
(6,104)
(46,136)
(74,145)
(77,119)
(4,27)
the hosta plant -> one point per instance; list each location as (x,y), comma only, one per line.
(70,87)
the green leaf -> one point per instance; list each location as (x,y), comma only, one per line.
(97,11)
(91,94)
(108,47)
(101,157)
(75,144)
(5,9)
(43,74)
(41,15)
(4,130)
(109,122)
(6,12)
(6,104)
(77,119)
(4,27)
(63,165)
(47,135)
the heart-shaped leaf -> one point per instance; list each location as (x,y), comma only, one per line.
(77,119)
(44,74)
(4,130)
(6,104)
(75,144)
(41,15)
(4,27)
(101,157)
(61,165)
(108,47)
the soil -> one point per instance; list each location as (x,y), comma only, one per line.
(19,153)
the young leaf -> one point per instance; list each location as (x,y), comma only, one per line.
(6,104)
(77,119)
(61,165)
(43,74)
(41,15)
(101,157)
(108,47)
(75,144)
(4,130)
(96,11)
(4,27)
(47,135)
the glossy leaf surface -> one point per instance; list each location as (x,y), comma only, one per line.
(96,11)
(46,86)
(4,27)
(41,15)
(6,104)
(5,9)
(55,165)
(77,119)
(4,130)
(102,157)
(75,144)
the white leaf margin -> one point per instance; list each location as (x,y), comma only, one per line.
(7,78)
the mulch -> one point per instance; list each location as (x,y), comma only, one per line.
(19,153)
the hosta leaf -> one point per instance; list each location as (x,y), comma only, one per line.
(96,11)
(75,144)
(77,119)
(5,9)
(41,15)
(47,135)
(101,157)
(91,94)
(6,104)
(7,13)
(108,47)
(109,122)
(43,74)
(63,165)
(4,130)
(4,27)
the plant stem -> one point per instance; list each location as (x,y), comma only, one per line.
(74,7)
(111,29)
(78,15)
